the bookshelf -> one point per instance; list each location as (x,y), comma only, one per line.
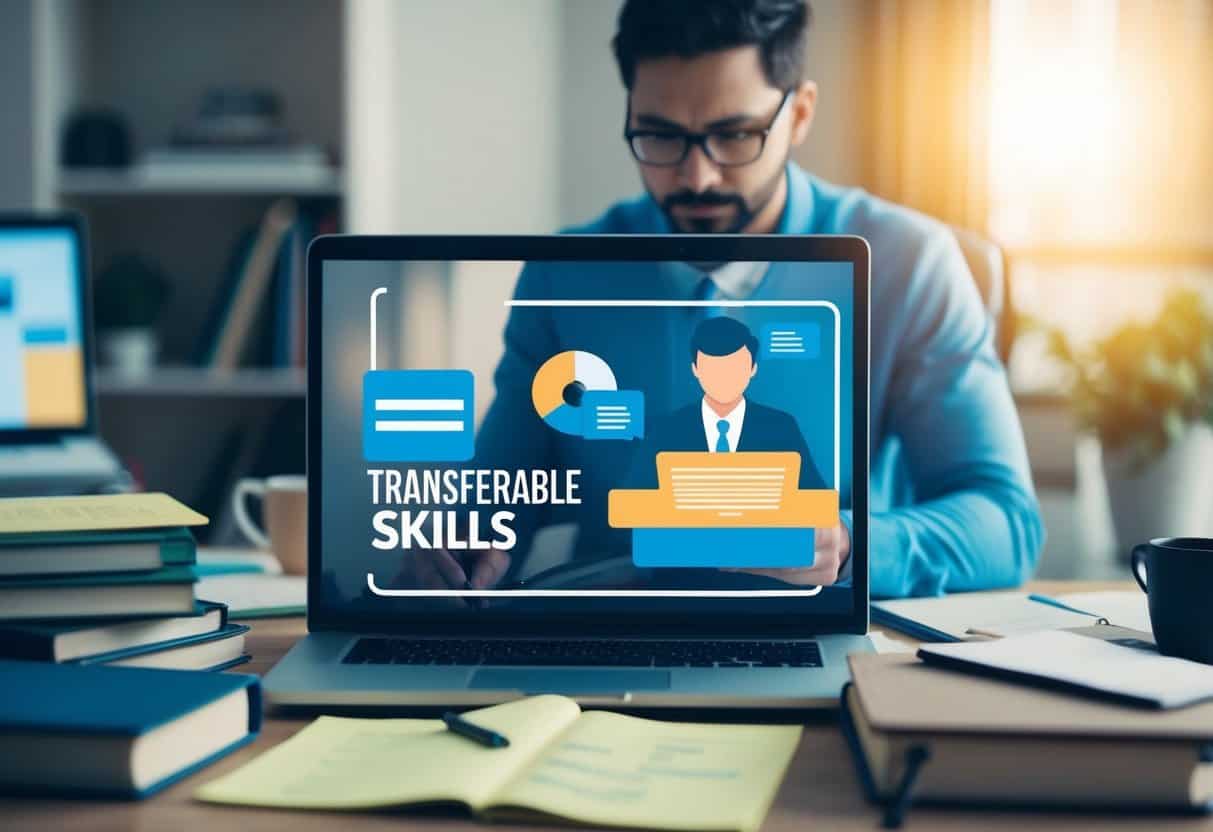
(199,383)
(75,184)
(180,427)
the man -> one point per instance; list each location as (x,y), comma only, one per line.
(724,358)
(716,103)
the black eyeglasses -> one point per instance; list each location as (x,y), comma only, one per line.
(727,148)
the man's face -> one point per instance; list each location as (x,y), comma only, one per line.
(718,92)
(724,378)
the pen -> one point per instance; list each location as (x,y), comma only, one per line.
(1053,602)
(458,725)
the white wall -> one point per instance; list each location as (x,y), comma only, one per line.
(453,116)
(596,168)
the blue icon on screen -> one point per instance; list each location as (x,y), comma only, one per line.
(417,416)
(797,341)
(612,414)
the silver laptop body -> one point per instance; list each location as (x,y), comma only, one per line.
(604,630)
(48,420)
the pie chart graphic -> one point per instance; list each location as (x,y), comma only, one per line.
(561,382)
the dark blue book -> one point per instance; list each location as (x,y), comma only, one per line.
(117,732)
(62,641)
(166,591)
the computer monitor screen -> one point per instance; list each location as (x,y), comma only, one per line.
(42,353)
(589,436)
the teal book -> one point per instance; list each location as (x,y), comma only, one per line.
(117,732)
(63,641)
(166,591)
(61,553)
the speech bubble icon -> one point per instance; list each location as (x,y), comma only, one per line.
(612,414)
(797,341)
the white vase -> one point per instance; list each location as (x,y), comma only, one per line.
(129,351)
(1171,496)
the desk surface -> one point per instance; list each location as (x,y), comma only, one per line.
(820,791)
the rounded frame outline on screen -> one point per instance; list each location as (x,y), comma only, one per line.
(620,248)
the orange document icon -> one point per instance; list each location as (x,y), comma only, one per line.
(698,489)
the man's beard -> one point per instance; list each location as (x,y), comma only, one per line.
(744,212)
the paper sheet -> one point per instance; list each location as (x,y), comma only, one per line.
(252,595)
(94,513)
(1124,609)
(339,763)
(1000,613)
(615,770)
(1092,663)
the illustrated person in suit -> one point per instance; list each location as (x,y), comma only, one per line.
(724,358)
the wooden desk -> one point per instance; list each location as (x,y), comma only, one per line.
(820,791)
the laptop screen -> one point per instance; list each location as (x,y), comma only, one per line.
(585,436)
(41,343)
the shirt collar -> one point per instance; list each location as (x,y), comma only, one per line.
(735,419)
(797,215)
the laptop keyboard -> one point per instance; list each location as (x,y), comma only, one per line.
(600,653)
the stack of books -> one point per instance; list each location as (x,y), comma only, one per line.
(108,580)
(939,735)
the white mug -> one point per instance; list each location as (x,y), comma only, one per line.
(284,511)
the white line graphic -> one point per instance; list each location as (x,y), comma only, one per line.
(418,426)
(419,404)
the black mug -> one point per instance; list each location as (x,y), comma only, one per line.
(1178,581)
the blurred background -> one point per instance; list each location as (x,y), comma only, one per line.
(1075,136)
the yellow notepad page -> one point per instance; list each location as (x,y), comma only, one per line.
(103,512)
(596,768)
(338,763)
(613,770)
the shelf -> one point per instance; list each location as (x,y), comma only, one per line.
(131,183)
(196,382)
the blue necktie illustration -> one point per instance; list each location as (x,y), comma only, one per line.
(708,290)
(722,441)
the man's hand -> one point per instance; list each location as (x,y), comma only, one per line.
(831,548)
(440,569)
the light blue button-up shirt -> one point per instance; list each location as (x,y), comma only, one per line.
(952,503)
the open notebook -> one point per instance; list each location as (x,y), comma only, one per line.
(593,768)
(962,616)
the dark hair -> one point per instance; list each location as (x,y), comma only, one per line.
(689,28)
(719,335)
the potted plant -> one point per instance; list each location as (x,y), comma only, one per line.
(1146,391)
(129,295)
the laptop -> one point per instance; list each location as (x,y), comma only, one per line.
(578,465)
(48,417)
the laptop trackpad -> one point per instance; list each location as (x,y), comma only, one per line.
(569,680)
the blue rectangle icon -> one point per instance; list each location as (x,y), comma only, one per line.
(6,294)
(723,548)
(418,415)
(796,341)
(42,335)
(612,414)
